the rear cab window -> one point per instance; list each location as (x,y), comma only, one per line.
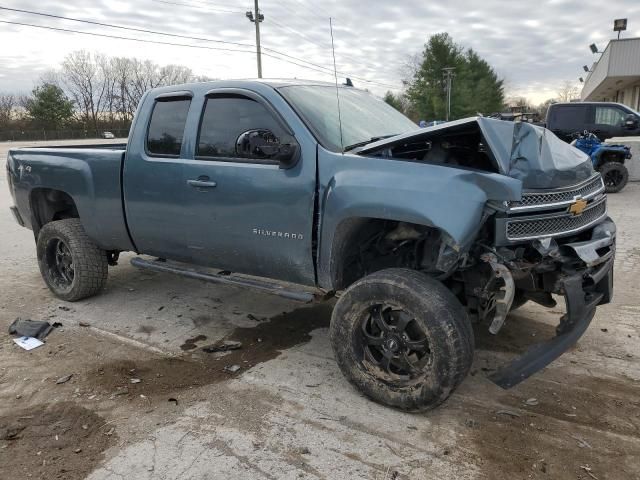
(166,126)
(569,117)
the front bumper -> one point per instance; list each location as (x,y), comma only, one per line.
(585,281)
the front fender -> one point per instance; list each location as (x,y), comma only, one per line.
(448,198)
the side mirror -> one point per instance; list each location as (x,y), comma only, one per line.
(631,122)
(263,144)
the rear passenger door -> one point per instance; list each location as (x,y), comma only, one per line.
(153,172)
(244,212)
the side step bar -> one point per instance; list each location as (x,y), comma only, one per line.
(253,283)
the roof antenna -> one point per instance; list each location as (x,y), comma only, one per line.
(335,73)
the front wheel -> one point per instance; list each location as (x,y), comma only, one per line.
(402,338)
(72,266)
(615,176)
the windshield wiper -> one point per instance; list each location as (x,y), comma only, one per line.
(367,142)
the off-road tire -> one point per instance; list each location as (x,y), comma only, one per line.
(435,310)
(614,167)
(89,262)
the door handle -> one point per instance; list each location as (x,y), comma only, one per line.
(201,183)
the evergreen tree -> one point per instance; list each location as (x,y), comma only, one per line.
(476,86)
(49,107)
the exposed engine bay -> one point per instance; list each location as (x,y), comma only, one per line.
(461,148)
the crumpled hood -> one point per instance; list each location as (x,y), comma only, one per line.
(523,151)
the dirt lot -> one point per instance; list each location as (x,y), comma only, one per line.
(146,402)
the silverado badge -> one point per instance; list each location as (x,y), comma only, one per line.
(578,207)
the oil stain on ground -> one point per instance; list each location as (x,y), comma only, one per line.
(191,343)
(58,441)
(161,376)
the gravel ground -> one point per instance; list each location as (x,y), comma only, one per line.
(288,412)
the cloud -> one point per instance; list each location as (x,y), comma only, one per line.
(534,46)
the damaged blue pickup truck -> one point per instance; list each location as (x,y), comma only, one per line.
(419,233)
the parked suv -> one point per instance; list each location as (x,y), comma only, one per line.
(603,119)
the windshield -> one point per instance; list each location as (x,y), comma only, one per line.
(363,116)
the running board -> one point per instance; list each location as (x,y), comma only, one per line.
(227,279)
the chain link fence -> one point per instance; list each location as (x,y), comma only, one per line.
(70,134)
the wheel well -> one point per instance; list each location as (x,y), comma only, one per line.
(48,205)
(364,245)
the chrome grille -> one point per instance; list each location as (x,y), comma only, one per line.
(544,226)
(531,200)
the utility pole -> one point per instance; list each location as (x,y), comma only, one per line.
(257,18)
(448,75)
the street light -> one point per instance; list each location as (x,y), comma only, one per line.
(594,48)
(619,25)
(581,80)
(585,68)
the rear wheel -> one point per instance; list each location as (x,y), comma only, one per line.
(72,266)
(615,176)
(402,338)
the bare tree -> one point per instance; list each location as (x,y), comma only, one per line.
(8,104)
(568,91)
(85,82)
(110,88)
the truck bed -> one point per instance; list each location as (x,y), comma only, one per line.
(89,174)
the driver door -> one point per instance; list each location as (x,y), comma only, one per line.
(247,213)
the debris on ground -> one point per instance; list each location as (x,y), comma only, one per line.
(64,379)
(84,324)
(30,328)
(508,413)
(531,402)
(28,343)
(302,451)
(173,400)
(581,443)
(224,346)
(135,380)
(232,368)
(587,469)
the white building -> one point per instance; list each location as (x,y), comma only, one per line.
(615,77)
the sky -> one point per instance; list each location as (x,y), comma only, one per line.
(534,46)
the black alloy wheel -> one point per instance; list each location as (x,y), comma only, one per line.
(394,343)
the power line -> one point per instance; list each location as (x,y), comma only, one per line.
(121,27)
(212,8)
(117,37)
(312,41)
(188,37)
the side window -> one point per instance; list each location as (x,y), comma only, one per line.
(609,116)
(166,127)
(225,118)
(570,117)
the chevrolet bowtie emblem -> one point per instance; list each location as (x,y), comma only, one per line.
(578,207)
